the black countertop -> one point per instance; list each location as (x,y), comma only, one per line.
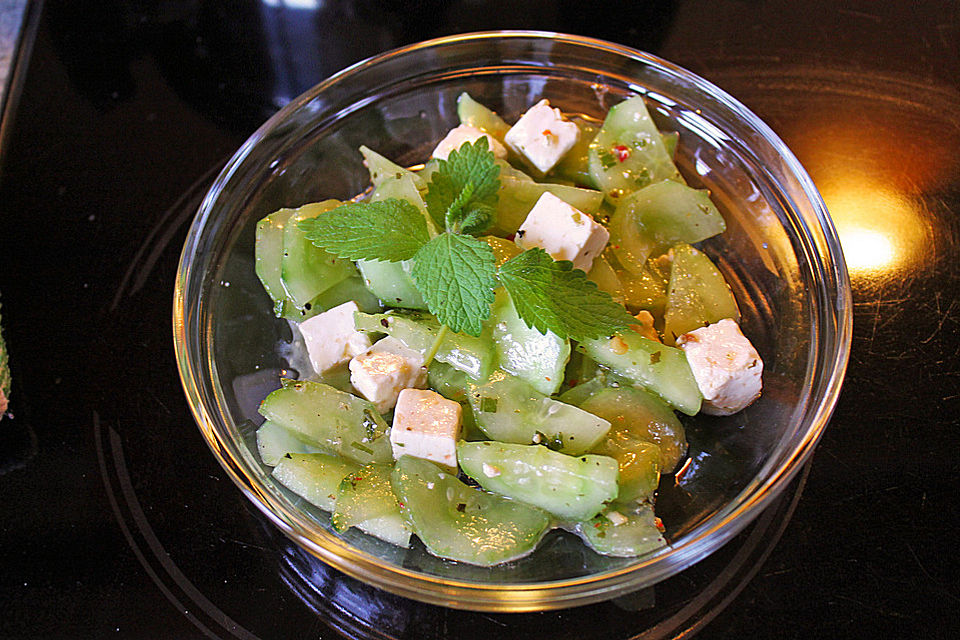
(115,520)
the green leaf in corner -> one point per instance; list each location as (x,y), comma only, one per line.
(456,275)
(462,194)
(551,295)
(390,230)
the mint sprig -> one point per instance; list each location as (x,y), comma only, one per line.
(455,272)
(462,194)
(390,230)
(456,275)
(551,295)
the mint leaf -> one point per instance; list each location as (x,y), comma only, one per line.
(390,230)
(462,194)
(456,275)
(553,296)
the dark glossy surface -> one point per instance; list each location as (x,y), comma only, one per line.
(116,521)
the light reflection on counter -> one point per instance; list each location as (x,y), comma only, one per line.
(880,230)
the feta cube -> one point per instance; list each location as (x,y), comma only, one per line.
(467,133)
(426,425)
(331,337)
(543,136)
(386,369)
(727,368)
(563,231)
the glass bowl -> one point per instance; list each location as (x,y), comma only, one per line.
(780,254)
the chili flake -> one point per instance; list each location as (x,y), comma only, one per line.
(621,152)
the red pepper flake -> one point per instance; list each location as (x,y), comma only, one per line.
(621,152)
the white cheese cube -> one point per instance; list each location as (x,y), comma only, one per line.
(332,338)
(542,136)
(426,425)
(563,231)
(386,369)
(727,368)
(467,133)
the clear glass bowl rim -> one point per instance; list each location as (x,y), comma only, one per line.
(835,307)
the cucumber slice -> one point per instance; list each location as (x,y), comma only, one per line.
(306,270)
(338,422)
(642,415)
(648,364)
(476,115)
(637,536)
(638,460)
(353,289)
(267,255)
(628,153)
(606,278)
(419,331)
(405,188)
(382,169)
(365,500)
(315,476)
(451,383)
(460,522)
(503,249)
(392,283)
(575,164)
(523,351)
(655,218)
(274,442)
(697,294)
(671,140)
(519,192)
(648,290)
(510,410)
(571,488)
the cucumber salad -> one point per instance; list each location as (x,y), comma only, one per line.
(501,338)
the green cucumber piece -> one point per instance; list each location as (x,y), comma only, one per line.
(503,249)
(274,442)
(305,270)
(519,192)
(451,383)
(508,409)
(641,414)
(638,460)
(476,115)
(419,331)
(539,359)
(365,500)
(697,295)
(628,153)
(649,364)
(648,290)
(267,254)
(352,288)
(338,422)
(635,537)
(405,188)
(606,278)
(657,217)
(463,523)
(314,476)
(571,488)
(575,164)
(392,283)
(671,140)
(382,169)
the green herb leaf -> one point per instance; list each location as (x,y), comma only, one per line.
(390,230)
(553,296)
(462,194)
(456,275)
